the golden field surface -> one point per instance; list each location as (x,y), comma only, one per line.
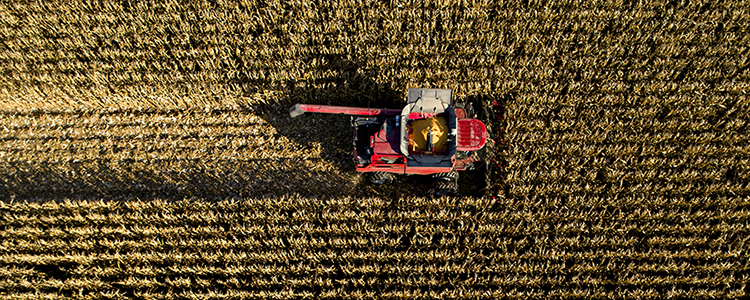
(146,150)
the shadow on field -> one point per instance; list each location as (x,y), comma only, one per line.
(219,179)
(138,158)
(348,85)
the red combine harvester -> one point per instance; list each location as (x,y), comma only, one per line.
(430,136)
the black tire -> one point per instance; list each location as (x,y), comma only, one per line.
(467,107)
(380,178)
(445,188)
(447,176)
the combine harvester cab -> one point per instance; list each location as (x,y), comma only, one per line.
(429,136)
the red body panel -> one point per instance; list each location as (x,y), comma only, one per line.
(385,150)
(387,158)
(344,110)
(472,135)
(416,116)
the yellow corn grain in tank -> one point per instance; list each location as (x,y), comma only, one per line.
(421,130)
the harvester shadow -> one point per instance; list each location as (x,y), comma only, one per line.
(328,141)
(229,157)
(212,178)
(330,137)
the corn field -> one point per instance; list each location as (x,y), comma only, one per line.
(146,150)
(290,247)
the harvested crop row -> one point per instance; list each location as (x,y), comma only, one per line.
(175,154)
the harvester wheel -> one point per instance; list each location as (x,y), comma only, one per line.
(379,178)
(447,176)
(445,188)
(468,108)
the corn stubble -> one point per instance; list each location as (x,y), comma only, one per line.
(177,154)
(619,167)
